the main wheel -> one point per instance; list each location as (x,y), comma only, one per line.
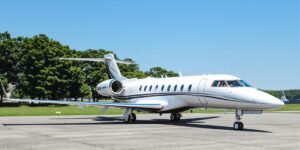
(173,117)
(238,126)
(133,118)
(178,117)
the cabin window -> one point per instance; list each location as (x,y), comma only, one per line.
(150,88)
(190,87)
(182,87)
(156,87)
(175,87)
(141,88)
(169,88)
(162,88)
(145,88)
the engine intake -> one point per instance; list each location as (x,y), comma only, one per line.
(110,88)
(116,87)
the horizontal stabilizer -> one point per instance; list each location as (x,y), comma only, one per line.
(95,60)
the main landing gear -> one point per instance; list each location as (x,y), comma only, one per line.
(175,117)
(238,125)
(129,116)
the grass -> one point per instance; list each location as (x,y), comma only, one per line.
(289,107)
(57,110)
(53,110)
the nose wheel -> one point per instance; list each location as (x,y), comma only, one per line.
(238,125)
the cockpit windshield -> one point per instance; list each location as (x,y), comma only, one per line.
(245,83)
(230,83)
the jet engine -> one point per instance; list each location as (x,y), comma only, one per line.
(110,88)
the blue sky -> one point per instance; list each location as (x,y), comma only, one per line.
(257,40)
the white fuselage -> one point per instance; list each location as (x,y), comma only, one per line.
(181,93)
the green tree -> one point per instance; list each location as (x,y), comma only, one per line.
(31,63)
(3,86)
(158,72)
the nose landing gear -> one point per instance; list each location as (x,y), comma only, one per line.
(238,125)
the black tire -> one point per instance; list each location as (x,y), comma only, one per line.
(238,126)
(133,118)
(241,126)
(173,117)
(178,116)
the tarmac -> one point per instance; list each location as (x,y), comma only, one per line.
(270,131)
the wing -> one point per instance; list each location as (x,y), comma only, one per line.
(105,104)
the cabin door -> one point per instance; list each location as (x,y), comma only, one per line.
(201,92)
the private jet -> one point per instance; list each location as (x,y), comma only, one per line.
(174,94)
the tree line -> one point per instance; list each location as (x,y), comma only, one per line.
(31,63)
(291,95)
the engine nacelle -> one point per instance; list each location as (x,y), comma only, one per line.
(110,88)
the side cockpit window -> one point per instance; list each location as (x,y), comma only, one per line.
(222,84)
(215,84)
(234,83)
(219,83)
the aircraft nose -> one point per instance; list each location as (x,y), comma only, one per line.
(270,102)
(276,103)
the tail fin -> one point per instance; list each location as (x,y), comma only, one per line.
(110,63)
(112,67)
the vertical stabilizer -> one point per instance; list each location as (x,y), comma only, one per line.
(110,62)
(112,67)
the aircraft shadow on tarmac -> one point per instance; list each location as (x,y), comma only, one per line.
(191,122)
